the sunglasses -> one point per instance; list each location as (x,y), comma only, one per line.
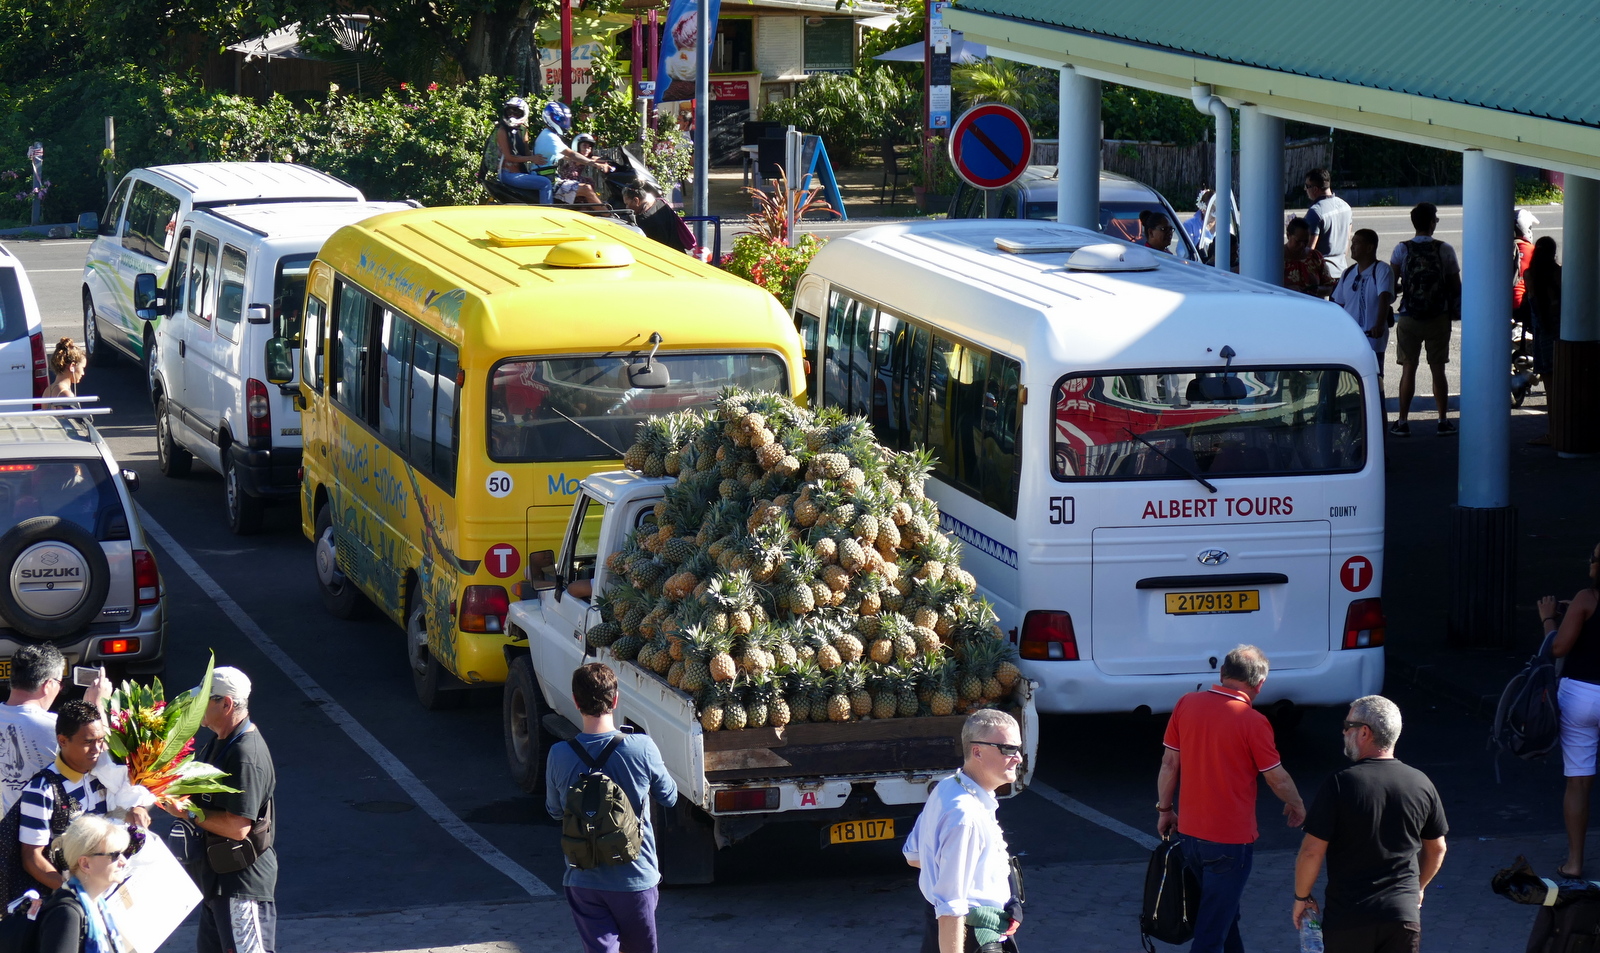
(1010,751)
(1356,724)
(135,844)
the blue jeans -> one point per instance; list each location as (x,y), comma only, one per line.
(1222,870)
(530,180)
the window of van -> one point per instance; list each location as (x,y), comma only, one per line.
(202,292)
(1173,424)
(179,277)
(13,316)
(110,221)
(152,214)
(230,292)
(581,408)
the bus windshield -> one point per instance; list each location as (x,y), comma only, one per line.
(546,410)
(1176,424)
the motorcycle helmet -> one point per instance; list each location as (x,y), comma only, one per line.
(558,118)
(581,138)
(514,111)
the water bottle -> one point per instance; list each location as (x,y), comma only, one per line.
(1311,933)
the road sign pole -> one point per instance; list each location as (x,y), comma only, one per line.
(988,195)
(36,159)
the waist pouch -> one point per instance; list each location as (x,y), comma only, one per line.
(224,855)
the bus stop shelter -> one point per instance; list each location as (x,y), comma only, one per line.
(1504,84)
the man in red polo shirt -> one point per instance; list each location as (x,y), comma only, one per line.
(1219,744)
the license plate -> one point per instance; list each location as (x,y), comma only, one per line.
(1204,603)
(857,832)
(5,670)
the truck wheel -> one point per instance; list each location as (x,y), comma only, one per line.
(244,510)
(173,459)
(436,688)
(339,595)
(686,842)
(522,713)
(56,580)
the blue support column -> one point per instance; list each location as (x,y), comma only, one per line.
(1260,195)
(1574,387)
(1078,168)
(1484,523)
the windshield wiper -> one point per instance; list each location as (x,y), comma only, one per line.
(621,453)
(1197,477)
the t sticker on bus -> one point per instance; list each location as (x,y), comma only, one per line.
(502,560)
(498,484)
(1356,573)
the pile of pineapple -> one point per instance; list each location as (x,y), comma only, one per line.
(796,572)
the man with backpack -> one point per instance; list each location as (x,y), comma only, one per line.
(1428,275)
(599,785)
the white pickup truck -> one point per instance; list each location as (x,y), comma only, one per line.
(854,781)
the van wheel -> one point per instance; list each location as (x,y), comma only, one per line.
(523,710)
(436,688)
(56,580)
(150,366)
(244,510)
(339,595)
(173,459)
(99,354)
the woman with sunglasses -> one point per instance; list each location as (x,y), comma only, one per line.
(92,854)
(1577,639)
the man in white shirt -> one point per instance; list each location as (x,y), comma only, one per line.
(958,847)
(1366,292)
(27,725)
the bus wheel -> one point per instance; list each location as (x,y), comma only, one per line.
(339,595)
(522,712)
(436,688)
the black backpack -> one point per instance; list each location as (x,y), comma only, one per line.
(14,878)
(1424,285)
(598,826)
(19,933)
(1527,722)
(1171,898)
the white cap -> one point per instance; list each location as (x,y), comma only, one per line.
(229,682)
(1525,220)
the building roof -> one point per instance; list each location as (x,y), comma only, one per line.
(1512,80)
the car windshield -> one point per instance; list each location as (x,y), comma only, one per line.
(555,409)
(77,490)
(1179,423)
(1121,220)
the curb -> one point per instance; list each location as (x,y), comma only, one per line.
(40,232)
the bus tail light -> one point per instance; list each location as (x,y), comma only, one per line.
(41,368)
(484,608)
(1047,636)
(258,420)
(1364,624)
(146,578)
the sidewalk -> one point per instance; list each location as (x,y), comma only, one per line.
(1073,908)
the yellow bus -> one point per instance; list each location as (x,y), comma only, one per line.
(461,369)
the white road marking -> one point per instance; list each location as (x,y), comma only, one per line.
(51,271)
(1147,841)
(363,738)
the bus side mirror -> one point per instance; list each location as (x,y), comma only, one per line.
(146,299)
(280,368)
(648,376)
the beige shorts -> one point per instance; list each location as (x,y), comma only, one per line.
(1411,335)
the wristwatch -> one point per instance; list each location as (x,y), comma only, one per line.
(1299,899)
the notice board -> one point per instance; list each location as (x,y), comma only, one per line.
(830,44)
(778,47)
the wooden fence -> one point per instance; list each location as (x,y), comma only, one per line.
(1179,172)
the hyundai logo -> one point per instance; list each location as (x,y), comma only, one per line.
(1212,557)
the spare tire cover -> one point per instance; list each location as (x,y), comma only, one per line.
(56,577)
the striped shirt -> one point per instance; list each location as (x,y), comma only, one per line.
(39,801)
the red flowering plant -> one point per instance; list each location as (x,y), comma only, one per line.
(151,742)
(767,255)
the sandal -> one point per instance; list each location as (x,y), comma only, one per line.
(1564,875)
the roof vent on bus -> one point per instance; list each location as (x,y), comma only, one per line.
(590,253)
(1111,257)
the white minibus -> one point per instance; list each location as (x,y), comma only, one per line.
(1148,461)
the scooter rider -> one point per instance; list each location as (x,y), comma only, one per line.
(557,123)
(511,135)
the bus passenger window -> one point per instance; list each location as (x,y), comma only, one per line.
(939,439)
(886,423)
(913,396)
(808,325)
(836,351)
(311,344)
(352,329)
(424,365)
(1000,451)
(392,396)
(861,361)
(969,400)
(444,418)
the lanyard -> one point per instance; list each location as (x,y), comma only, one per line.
(232,740)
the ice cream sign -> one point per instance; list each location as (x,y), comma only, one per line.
(681,47)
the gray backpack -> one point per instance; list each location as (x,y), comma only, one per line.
(1527,722)
(598,825)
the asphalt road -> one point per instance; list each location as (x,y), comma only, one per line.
(353,837)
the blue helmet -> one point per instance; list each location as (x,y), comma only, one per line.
(558,117)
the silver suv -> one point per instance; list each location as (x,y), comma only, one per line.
(75,570)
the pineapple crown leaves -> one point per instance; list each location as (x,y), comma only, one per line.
(978,613)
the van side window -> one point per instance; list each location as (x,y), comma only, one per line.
(941,424)
(311,343)
(288,294)
(393,398)
(152,214)
(915,392)
(202,295)
(432,422)
(1000,453)
(809,327)
(109,223)
(887,421)
(352,330)
(179,277)
(230,292)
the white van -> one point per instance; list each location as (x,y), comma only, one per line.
(222,383)
(1149,461)
(24,364)
(137,232)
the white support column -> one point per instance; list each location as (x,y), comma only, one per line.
(1260,195)
(1078,168)
(1574,385)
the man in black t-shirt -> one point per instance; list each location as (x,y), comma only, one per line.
(1381,827)
(238,913)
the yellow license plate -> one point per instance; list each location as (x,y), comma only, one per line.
(5,669)
(1203,603)
(857,832)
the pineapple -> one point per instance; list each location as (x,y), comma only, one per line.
(635,456)
(770,455)
(855,683)
(783,651)
(941,695)
(720,662)
(1006,671)
(734,715)
(851,554)
(830,466)
(827,550)
(758,699)
(838,705)
(627,648)
(928,642)
(866,527)
(806,510)
(881,650)
(885,700)
(603,634)
(906,700)
(852,480)
(711,700)
(836,577)
(675,675)
(778,713)
(828,657)
(848,646)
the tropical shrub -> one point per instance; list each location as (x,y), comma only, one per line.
(851,111)
(772,265)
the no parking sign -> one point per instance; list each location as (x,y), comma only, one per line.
(990,146)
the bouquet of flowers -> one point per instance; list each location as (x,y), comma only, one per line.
(152,742)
